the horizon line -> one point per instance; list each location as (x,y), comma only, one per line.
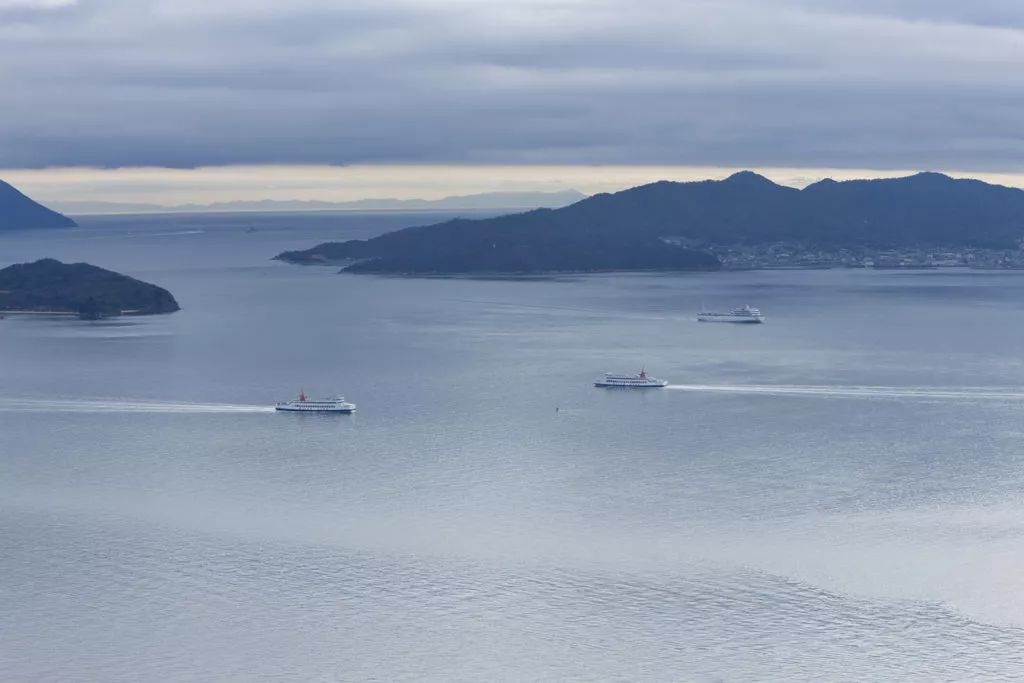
(172,187)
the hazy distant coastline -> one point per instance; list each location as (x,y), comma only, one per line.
(484,201)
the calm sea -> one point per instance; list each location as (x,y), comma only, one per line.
(834,495)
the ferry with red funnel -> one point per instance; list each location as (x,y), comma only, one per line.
(641,381)
(304,404)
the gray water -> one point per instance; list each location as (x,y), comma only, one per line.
(834,495)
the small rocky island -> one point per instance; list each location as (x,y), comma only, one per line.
(49,286)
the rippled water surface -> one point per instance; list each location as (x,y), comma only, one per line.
(834,495)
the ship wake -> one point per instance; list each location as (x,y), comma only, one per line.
(104,405)
(868,392)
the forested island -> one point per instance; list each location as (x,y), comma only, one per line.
(501,245)
(684,226)
(49,286)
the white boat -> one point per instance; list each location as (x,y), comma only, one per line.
(304,404)
(641,381)
(744,314)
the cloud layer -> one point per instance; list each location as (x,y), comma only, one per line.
(841,83)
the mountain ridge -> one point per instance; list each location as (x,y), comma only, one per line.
(638,228)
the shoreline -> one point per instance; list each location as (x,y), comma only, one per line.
(724,269)
(36,312)
(65,314)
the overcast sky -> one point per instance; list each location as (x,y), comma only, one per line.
(866,84)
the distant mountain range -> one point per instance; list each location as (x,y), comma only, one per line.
(18,212)
(642,228)
(486,201)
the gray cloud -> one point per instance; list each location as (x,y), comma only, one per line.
(904,84)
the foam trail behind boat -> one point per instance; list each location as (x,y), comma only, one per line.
(104,405)
(869,392)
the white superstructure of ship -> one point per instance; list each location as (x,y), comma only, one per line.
(304,404)
(743,314)
(641,381)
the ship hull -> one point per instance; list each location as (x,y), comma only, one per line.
(611,385)
(302,409)
(731,319)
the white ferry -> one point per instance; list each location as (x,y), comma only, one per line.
(641,381)
(744,314)
(304,404)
